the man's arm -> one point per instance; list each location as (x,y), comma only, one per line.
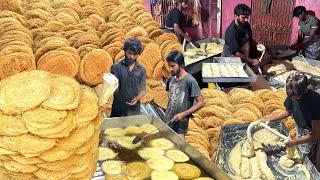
(315,134)
(199,103)
(281,115)
(246,59)
(179,31)
(309,39)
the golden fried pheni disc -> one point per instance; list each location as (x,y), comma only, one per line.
(137,170)
(114,132)
(149,128)
(162,143)
(186,171)
(160,163)
(177,156)
(133,130)
(112,167)
(65,94)
(126,142)
(106,153)
(24,91)
(163,175)
(150,152)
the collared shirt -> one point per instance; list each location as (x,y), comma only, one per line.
(311,23)
(131,83)
(236,36)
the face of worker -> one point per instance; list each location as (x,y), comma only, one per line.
(242,19)
(131,56)
(302,16)
(174,68)
(183,6)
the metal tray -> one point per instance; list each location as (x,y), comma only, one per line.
(227,60)
(313,62)
(205,57)
(232,134)
(278,84)
(210,168)
(251,76)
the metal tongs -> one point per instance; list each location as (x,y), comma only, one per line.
(138,139)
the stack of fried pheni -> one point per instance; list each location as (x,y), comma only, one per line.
(49,127)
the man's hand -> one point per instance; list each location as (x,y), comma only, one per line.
(300,52)
(187,37)
(133,101)
(265,120)
(255,62)
(290,143)
(179,117)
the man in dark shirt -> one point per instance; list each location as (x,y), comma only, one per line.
(304,106)
(132,81)
(238,36)
(308,33)
(184,94)
(175,18)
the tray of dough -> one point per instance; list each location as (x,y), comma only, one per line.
(227,72)
(268,151)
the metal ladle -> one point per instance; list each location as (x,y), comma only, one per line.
(261,48)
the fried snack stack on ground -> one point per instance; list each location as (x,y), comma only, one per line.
(15,44)
(238,106)
(49,127)
(79,38)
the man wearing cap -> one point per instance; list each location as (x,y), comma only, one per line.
(184,94)
(132,81)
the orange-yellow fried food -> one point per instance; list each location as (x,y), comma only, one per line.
(161,99)
(24,91)
(193,139)
(212,93)
(64,95)
(214,110)
(232,121)
(245,115)
(214,133)
(59,62)
(250,107)
(212,122)
(219,101)
(93,65)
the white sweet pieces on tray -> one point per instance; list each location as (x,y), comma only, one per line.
(224,70)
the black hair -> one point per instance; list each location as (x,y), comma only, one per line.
(298,10)
(242,9)
(176,57)
(296,84)
(180,1)
(133,44)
